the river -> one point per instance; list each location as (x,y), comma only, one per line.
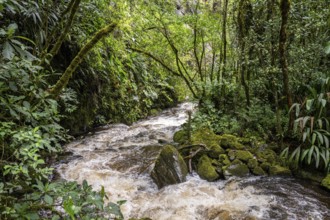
(120,157)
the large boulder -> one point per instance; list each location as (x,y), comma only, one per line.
(206,170)
(169,168)
(326,182)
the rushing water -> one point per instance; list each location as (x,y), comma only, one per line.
(120,158)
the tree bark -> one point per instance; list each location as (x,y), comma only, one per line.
(63,81)
(285,9)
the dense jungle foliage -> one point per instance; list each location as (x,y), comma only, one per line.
(259,69)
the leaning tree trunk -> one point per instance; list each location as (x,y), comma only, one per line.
(63,81)
(285,8)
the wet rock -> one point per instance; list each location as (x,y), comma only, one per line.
(326,182)
(206,170)
(228,141)
(239,170)
(169,168)
(279,171)
(258,171)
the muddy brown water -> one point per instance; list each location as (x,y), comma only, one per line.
(120,158)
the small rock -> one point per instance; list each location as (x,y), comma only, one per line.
(279,171)
(258,171)
(239,170)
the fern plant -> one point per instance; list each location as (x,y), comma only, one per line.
(312,128)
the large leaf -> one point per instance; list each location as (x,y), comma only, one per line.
(8,51)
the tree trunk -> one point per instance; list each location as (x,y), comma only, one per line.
(285,8)
(63,81)
(73,7)
(224,37)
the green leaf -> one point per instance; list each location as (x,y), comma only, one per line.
(327,48)
(310,153)
(309,104)
(7,51)
(49,200)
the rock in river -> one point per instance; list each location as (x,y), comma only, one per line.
(170,167)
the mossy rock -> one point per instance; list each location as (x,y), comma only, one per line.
(169,168)
(206,170)
(243,155)
(207,137)
(223,159)
(278,170)
(267,155)
(215,151)
(265,166)
(239,170)
(252,163)
(180,137)
(228,141)
(326,182)
(258,171)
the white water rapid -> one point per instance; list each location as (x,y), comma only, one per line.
(120,158)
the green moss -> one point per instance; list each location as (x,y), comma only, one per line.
(206,170)
(252,163)
(240,170)
(267,155)
(326,182)
(180,137)
(215,151)
(265,166)
(243,155)
(228,141)
(223,159)
(231,155)
(206,137)
(258,171)
(279,171)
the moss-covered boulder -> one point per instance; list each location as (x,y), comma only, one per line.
(278,170)
(224,160)
(267,155)
(215,151)
(243,155)
(239,170)
(258,171)
(252,163)
(326,182)
(180,137)
(169,168)
(207,137)
(228,141)
(206,170)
